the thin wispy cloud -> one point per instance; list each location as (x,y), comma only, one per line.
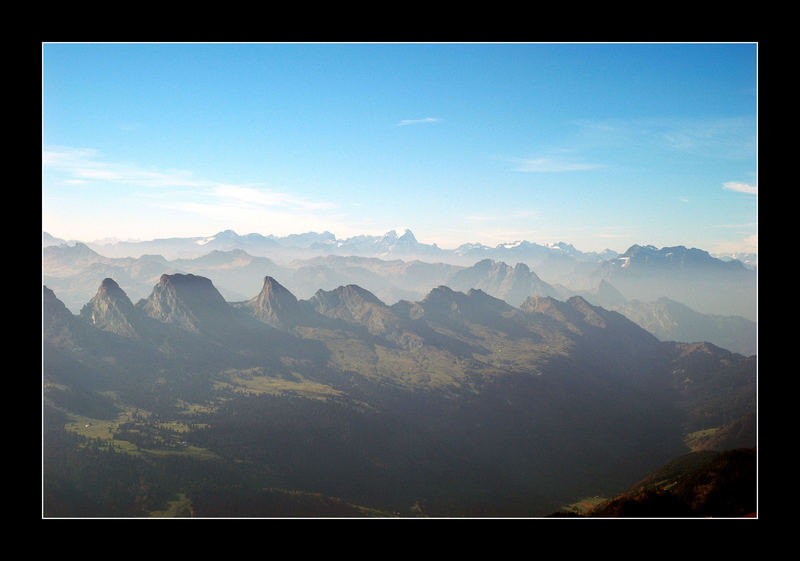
(84,164)
(255,197)
(406,122)
(748,244)
(729,138)
(717,138)
(493,217)
(735,226)
(612,235)
(182,191)
(741,187)
(553,165)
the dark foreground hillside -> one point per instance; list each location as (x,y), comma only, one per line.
(456,405)
(706,484)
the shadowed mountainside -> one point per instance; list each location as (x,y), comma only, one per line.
(707,484)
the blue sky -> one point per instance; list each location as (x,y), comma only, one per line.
(598,145)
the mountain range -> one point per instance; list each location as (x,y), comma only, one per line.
(388,246)
(690,276)
(676,293)
(454,404)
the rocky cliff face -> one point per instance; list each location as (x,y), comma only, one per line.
(111,310)
(187,301)
(274,305)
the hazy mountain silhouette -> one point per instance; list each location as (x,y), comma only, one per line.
(672,321)
(74,271)
(689,276)
(512,284)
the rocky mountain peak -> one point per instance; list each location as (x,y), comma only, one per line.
(357,305)
(110,288)
(389,237)
(674,257)
(408,236)
(441,295)
(54,312)
(189,301)
(111,310)
(546,305)
(589,314)
(512,284)
(274,305)
(444,303)
(522,269)
(274,289)
(347,299)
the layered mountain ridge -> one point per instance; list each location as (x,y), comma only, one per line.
(391,244)
(74,271)
(191,303)
(690,276)
(374,404)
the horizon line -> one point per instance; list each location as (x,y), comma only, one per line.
(114,241)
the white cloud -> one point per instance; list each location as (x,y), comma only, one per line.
(727,138)
(748,244)
(405,122)
(553,165)
(741,187)
(502,218)
(177,197)
(82,164)
(747,225)
(66,157)
(253,197)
